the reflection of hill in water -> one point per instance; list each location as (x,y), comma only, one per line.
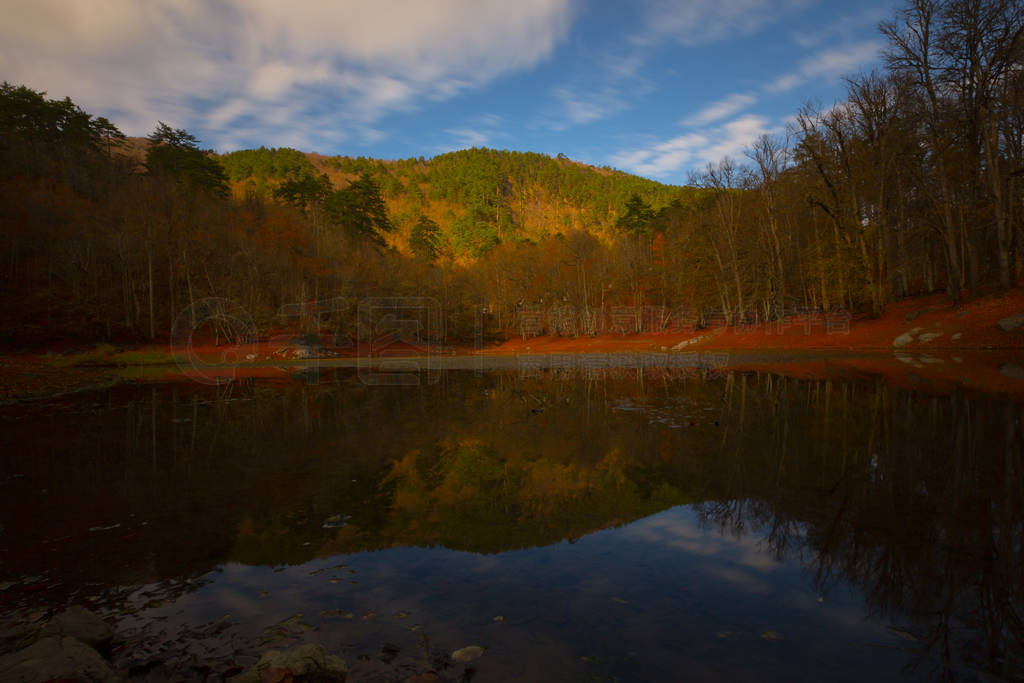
(472,498)
(914,499)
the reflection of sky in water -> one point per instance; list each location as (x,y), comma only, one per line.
(659,599)
(492,462)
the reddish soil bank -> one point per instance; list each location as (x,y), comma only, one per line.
(930,322)
(942,372)
(929,326)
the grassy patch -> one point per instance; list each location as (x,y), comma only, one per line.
(148,357)
(99,355)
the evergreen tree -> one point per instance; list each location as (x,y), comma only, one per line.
(637,218)
(424,239)
(175,152)
(360,211)
(305,191)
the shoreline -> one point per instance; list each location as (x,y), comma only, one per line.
(934,371)
(921,336)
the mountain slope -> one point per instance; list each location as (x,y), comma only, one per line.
(477,196)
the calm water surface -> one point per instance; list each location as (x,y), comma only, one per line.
(593,525)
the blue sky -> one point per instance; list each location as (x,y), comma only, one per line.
(654,87)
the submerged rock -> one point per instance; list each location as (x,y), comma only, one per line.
(1011,370)
(335,522)
(78,622)
(1011,323)
(468,653)
(55,658)
(309,662)
(291,627)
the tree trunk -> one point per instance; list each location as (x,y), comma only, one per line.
(998,210)
(149,267)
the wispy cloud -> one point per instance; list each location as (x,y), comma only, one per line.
(662,157)
(718,130)
(478,131)
(249,64)
(722,109)
(735,136)
(579,105)
(830,63)
(689,23)
(695,150)
(842,28)
(467,137)
(701,22)
(613,84)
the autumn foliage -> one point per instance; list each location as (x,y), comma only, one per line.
(911,186)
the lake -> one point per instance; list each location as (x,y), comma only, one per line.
(593,522)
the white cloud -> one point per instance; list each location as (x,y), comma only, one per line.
(274,80)
(831,63)
(430,38)
(467,137)
(722,109)
(247,62)
(223,115)
(614,86)
(695,150)
(579,106)
(785,83)
(732,138)
(701,22)
(840,61)
(478,131)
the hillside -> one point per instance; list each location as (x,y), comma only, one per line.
(478,197)
(130,246)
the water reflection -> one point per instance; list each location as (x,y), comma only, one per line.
(916,501)
(855,495)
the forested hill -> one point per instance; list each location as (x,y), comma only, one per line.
(892,193)
(478,197)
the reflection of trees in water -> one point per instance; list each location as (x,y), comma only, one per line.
(470,497)
(916,500)
(250,470)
